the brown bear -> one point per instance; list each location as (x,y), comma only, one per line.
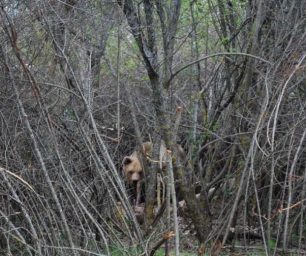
(133,166)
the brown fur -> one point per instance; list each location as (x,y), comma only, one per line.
(132,166)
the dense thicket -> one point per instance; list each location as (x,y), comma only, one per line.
(85,82)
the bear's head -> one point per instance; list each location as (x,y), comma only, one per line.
(132,168)
(132,165)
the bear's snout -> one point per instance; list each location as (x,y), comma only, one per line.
(136,176)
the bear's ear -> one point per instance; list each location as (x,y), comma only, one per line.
(126,160)
(147,148)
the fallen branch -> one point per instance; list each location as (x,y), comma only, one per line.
(168,235)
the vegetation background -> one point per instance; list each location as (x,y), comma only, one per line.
(85,82)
